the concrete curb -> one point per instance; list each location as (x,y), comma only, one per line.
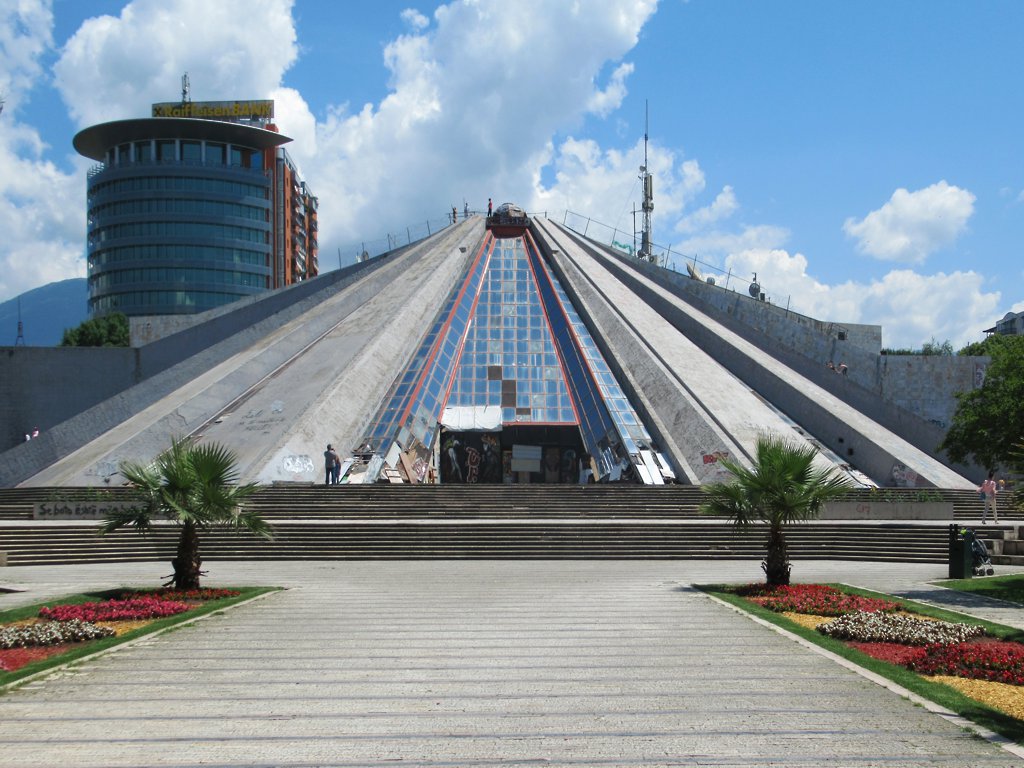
(994,738)
(7,687)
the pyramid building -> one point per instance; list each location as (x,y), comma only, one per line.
(499,350)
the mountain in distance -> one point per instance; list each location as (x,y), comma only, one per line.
(45,313)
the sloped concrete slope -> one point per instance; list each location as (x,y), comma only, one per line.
(293,386)
(706,389)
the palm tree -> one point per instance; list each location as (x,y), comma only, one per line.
(196,487)
(782,487)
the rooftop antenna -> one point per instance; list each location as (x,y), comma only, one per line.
(648,203)
(20,341)
(186,91)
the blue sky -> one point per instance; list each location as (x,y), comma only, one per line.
(863,158)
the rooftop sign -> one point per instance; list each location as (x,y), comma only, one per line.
(217,110)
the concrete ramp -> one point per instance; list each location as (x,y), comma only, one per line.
(707,392)
(313,380)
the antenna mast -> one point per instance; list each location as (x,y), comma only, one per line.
(186,90)
(20,341)
(648,203)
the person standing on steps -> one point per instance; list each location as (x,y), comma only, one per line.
(331,465)
(989,489)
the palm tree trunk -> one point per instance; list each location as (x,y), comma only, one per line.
(187,562)
(776,565)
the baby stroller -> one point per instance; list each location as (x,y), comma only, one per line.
(980,560)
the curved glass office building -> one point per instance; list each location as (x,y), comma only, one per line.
(188,214)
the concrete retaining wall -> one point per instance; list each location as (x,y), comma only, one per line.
(42,386)
(925,386)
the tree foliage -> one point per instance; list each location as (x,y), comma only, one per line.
(783,486)
(989,420)
(195,487)
(107,331)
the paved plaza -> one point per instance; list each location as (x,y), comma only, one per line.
(478,663)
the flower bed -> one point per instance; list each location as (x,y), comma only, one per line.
(984,668)
(169,593)
(817,599)
(891,628)
(67,627)
(115,610)
(50,633)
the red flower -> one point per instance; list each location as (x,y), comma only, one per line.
(16,658)
(116,610)
(816,599)
(998,661)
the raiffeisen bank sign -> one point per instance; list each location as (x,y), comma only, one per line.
(262,111)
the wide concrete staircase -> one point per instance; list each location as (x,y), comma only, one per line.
(411,522)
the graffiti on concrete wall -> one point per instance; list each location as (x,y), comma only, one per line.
(298,464)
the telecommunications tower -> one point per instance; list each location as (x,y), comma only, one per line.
(648,204)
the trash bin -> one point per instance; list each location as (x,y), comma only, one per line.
(961,561)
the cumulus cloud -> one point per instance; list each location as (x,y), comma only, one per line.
(26,32)
(230,49)
(912,308)
(464,120)
(42,215)
(912,225)
(715,245)
(722,207)
(585,174)
(604,102)
(415,19)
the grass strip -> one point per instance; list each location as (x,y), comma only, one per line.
(1009,588)
(940,694)
(104,644)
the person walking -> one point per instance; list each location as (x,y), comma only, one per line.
(490,207)
(988,490)
(331,465)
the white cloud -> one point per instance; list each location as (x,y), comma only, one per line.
(463,118)
(25,34)
(603,103)
(912,308)
(589,181)
(913,225)
(722,207)
(415,19)
(230,49)
(42,214)
(717,244)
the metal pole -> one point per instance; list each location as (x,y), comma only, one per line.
(428,227)
(727,278)
(634,229)
(586,228)
(407,235)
